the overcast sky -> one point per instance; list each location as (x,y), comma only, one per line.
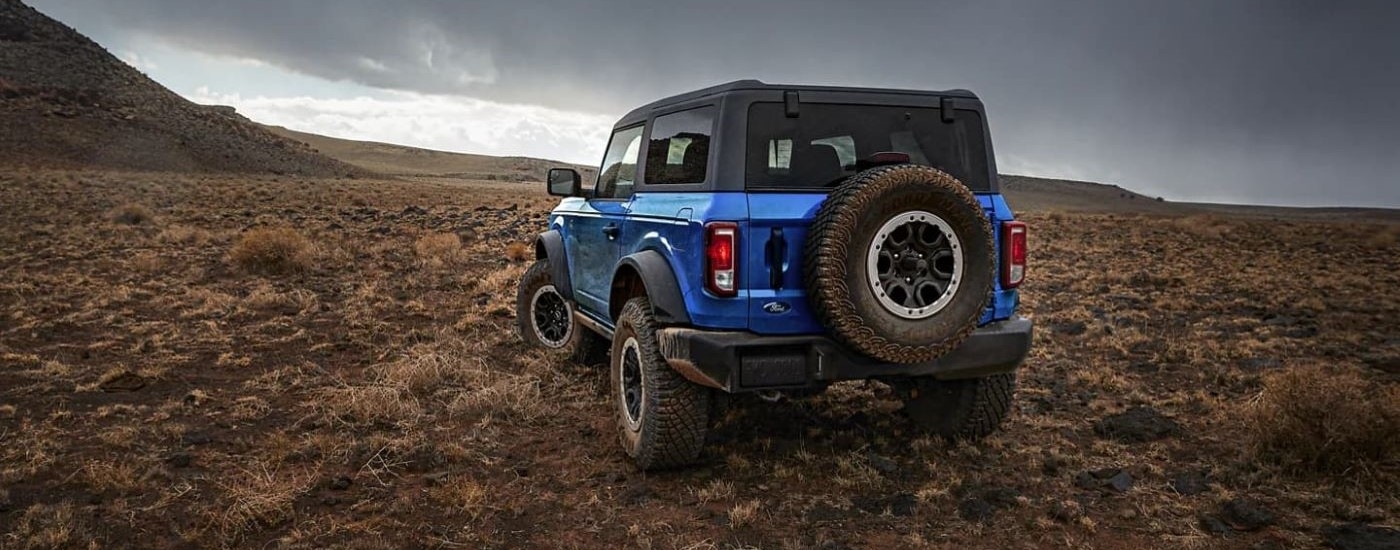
(1273,102)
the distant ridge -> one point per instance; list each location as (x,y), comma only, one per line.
(66,102)
(402,160)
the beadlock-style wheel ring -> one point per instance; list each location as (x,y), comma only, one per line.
(914,264)
(632,389)
(552,317)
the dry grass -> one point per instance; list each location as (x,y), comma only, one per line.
(1316,420)
(744,513)
(437,250)
(370,401)
(1384,238)
(272,251)
(258,497)
(519,252)
(132,214)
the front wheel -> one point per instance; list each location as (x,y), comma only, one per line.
(958,409)
(661,416)
(545,318)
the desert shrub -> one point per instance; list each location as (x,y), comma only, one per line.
(1325,420)
(519,252)
(440,249)
(132,214)
(1205,226)
(272,251)
(1384,239)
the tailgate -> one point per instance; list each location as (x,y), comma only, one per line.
(772,262)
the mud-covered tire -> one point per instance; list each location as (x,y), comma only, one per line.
(579,344)
(836,254)
(668,428)
(958,409)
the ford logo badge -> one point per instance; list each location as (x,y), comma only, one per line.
(776,308)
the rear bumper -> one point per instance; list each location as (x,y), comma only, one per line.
(744,361)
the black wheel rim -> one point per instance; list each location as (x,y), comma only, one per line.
(551,317)
(914,264)
(631,383)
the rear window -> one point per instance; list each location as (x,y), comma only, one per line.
(826,142)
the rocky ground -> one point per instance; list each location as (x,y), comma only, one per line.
(252,361)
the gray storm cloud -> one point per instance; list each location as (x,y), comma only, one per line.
(1266,102)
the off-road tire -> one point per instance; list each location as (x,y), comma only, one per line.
(958,409)
(836,254)
(675,412)
(584,346)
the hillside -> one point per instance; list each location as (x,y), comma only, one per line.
(1026,193)
(401,160)
(66,102)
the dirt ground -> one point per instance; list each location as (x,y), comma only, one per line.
(160,385)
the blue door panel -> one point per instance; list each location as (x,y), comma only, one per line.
(591,253)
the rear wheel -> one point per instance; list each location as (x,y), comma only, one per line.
(545,318)
(661,416)
(958,409)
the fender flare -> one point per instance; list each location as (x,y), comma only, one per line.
(550,245)
(667,302)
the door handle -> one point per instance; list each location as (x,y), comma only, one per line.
(610,230)
(777,255)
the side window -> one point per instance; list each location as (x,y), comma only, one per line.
(679,149)
(779,155)
(619,170)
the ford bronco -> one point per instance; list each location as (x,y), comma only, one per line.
(751,237)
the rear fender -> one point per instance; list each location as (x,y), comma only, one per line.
(667,304)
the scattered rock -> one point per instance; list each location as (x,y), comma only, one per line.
(1074,328)
(1383,362)
(825,512)
(976,509)
(1246,515)
(883,465)
(636,494)
(1359,536)
(340,483)
(1257,364)
(124,381)
(981,503)
(1136,425)
(1107,480)
(1065,511)
(1212,525)
(179,459)
(1191,482)
(899,504)
(413,210)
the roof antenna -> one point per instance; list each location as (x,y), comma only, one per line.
(790,103)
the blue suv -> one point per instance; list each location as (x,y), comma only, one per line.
(768,238)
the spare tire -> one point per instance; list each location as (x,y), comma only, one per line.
(899,263)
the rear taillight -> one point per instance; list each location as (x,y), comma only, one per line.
(721,249)
(1013,254)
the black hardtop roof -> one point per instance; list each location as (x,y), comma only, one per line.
(756,85)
